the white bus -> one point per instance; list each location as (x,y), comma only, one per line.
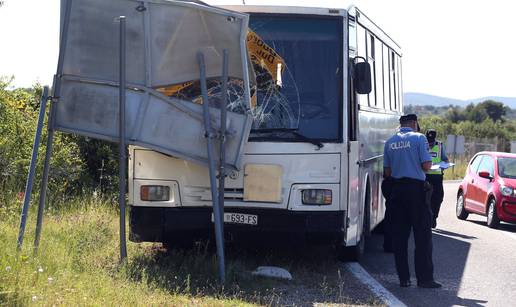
(312,167)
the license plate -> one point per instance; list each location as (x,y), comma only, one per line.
(239,218)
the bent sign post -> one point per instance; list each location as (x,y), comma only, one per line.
(163,38)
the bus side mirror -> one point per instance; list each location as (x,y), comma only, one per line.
(362,78)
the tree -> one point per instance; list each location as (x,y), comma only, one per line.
(494,110)
(455,114)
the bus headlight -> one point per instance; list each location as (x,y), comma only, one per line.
(316,197)
(154,193)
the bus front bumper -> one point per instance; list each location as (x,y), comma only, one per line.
(274,225)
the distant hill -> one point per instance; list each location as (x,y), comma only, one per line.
(425,99)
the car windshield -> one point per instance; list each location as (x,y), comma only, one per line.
(507,167)
(298,65)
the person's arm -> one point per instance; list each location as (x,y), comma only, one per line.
(387,172)
(424,155)
(426,165)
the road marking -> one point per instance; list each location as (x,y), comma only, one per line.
(359,272)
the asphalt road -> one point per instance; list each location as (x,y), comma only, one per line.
(475,264)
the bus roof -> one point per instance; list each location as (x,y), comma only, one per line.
(314,8)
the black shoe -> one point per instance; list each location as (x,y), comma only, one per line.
(405,283)
(432,284)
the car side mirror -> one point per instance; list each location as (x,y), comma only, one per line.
(485,174)
(362,77)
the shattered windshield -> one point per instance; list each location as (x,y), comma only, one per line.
(298,65)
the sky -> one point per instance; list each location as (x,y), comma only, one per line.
(456,48)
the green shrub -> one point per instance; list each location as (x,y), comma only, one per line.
(18,120)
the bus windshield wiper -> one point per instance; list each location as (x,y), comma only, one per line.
(292,131)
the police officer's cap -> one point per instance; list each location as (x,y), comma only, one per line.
(431,134)
(408,117)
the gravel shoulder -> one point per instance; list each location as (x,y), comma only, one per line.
(319,279)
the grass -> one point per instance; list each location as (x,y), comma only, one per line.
(78,264)
(456,172)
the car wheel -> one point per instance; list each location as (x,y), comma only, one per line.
(492,217)
(460,211)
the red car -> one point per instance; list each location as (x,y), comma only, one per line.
(489,188)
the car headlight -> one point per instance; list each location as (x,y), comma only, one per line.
(316,197)
(506,191)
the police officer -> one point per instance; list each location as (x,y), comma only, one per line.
(406,159)
(387,184)
(435,177)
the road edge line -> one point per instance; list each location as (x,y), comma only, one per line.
(385,295)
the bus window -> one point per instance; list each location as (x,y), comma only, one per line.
(378,65)
(352,36)
(392,65)
(362,51)
(371,60)
(386,74)
(400,88)
(309,50)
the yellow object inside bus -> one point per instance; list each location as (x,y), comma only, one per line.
(262,56)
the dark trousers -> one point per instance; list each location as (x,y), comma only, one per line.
(387,185)
(437,193)
(409,211)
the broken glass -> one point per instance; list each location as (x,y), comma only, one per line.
(298,77)
(297,81)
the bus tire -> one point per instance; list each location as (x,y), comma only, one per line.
(355,253)
(352,253)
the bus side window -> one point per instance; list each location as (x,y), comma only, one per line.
(400,86)
(371,60)
(362,51)
(392,66)
(378,65)
(386,75)
(352,36)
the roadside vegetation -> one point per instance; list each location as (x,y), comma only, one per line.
(489,122)
(77,262)
(485,120)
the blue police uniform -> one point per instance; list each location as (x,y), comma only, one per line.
(404,154)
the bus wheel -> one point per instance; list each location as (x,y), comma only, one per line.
(354,253)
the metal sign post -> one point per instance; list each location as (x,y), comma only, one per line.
(56,93)
(223,105)
(32,167)
(211,163)
(121,145)
(44,178)
(454,147)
